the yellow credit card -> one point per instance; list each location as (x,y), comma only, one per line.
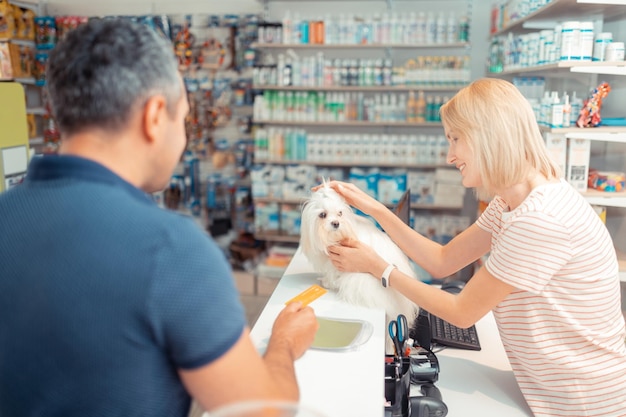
(309,295)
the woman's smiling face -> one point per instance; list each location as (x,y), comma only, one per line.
(462,157)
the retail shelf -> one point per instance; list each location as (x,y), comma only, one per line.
(25,80)
(350,164)
(23,42)
(603,67)
(40,111)
(298,201)
(27,4)
(600,198)
(601,133)
(279,200)
(604,134)
(348,123)
(361,88)
(36,140)
(359,46)
(562,10)
(277,238)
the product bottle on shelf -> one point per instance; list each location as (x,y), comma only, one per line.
(411,107)
(556,111)
(420,108)
(567,110)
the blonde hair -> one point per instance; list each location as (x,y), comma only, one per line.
(500,127)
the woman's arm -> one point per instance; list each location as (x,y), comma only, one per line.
(440,261)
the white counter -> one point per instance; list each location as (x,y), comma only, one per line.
(351,384)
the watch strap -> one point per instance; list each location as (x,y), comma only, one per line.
(384,279)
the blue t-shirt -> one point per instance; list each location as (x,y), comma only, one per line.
(103,296)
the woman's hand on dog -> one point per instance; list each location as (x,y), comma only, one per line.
(354,196)
(355,256)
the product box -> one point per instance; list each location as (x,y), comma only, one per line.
(422,186)
(578,152)
(449,195)
(557,148)
(22,60)
(448,176)
(6,68)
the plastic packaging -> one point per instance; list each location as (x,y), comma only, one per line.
(570,41)
(615,51)
(599,47)
(586,41)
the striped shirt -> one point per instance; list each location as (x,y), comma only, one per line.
(562,329)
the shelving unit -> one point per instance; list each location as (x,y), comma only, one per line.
(374,89)
(565,10)
(350,163)
(352,123)
(369,52)
(360,46)
(601,67)
(545,18)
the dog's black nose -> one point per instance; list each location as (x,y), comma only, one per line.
(335,224)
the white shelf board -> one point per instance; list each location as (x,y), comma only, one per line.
(612,134)
(590,67)
(23,42)
(358,46)
(563,10)
(353,123)
(605,199)
(349,164)
(25,80)
(361,88)
(608,68)
(36,110)
(36,140)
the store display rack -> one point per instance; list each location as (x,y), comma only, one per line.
(546,17)
(387,51)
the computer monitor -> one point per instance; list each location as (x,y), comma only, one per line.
(403,208)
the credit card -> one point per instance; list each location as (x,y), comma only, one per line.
(309,295)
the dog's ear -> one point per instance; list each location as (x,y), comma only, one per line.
(307,222)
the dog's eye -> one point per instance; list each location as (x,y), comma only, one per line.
(322,215)
(340,213)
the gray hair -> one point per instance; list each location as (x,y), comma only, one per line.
(103,70)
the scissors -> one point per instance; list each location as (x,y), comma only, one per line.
(398,331)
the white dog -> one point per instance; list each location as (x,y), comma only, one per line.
(327,220)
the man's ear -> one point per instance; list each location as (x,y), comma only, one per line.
(153,118)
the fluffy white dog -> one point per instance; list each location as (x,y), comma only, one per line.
(327,220)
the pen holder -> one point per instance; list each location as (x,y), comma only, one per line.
(397,385)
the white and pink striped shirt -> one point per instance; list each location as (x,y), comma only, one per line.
(563,329)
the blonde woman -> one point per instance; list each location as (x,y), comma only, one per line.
(551,278)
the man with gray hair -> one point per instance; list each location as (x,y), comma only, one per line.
(109,305)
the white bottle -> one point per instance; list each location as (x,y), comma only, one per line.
(570,41)
(440,35)
(577,106)
(586,41)
(556,110)
(421,29)
(287,28)
(329,30)
(600,44)
(544,109)
(567,110)
(451,29)
(431,28)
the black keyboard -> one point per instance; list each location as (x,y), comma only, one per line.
(446,334)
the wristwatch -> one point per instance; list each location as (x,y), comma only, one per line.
(385,277)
